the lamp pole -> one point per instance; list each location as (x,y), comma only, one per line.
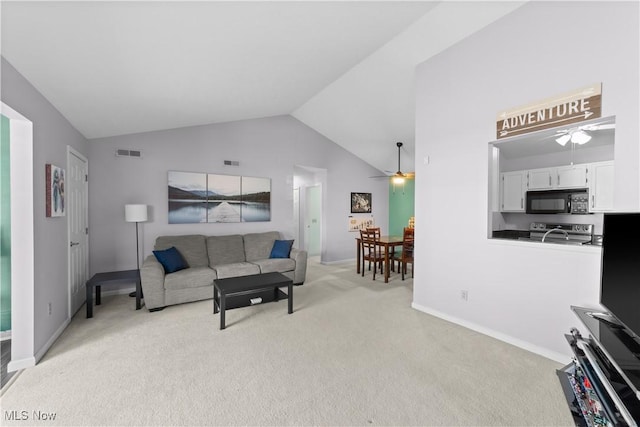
(136,213)
(137,248)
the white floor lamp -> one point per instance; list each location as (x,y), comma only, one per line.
(135,213)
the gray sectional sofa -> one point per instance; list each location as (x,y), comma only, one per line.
(212,257)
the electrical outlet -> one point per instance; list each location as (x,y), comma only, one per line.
(50,309)
(464,294)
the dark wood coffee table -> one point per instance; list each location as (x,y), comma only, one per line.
(248,285)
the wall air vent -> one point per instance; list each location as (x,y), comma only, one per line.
(128,153)
(231,163)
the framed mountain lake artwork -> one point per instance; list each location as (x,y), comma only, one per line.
(224,198)
(187,197)
(255,199)
(213,198)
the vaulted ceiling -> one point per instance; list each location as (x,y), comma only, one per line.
(343,68)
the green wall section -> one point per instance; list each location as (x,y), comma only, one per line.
(401,205)
(5,229)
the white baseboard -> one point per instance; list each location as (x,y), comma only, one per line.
(557,357)
(53,339)
(5,335)
(16,365)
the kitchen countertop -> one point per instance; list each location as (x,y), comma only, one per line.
(523,235)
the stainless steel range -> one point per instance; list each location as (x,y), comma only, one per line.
(568,234)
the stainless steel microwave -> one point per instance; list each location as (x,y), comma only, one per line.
(574,201)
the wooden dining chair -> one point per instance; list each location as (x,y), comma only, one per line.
(361,247)
(382,249)
(406,256)
(371,251)
(375,230)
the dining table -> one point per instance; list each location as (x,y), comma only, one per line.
(388,243)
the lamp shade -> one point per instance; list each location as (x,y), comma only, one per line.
(135,213)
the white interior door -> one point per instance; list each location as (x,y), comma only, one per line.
(77,189)
(313,220)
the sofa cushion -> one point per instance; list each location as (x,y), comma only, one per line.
(281,249)
(191,247)
(279,265)
(171,260)
(259,245)
(194,277)
(236,270)
(225,249)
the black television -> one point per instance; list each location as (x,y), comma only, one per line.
(620,272)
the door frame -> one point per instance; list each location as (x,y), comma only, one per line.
(22,241)
(309,176)
(72,152)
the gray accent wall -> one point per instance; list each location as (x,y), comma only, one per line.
(268,147)
(51,135)
(517,293)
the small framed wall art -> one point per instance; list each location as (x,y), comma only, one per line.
(55,190)
(360,202)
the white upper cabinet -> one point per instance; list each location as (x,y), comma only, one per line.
(512,190)
(601,187)
(540,179)
(576,176)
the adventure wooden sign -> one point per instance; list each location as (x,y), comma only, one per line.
(571,107)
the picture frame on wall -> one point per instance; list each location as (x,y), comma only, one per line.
(198,197)
(55,200)
(360,202)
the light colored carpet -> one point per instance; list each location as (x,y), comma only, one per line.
(353,353)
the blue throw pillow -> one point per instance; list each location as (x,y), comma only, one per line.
(281,249)
(171,260)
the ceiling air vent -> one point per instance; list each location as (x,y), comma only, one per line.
(129,153)
(231,163)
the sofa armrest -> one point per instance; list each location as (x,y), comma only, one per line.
(300,257)
(152,281)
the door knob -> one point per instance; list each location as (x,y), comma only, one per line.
(74,244)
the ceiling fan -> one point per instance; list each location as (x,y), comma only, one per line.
(580,134)
(398,177)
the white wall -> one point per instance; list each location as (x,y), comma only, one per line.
(517,292)
(269,147)
(51,135)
